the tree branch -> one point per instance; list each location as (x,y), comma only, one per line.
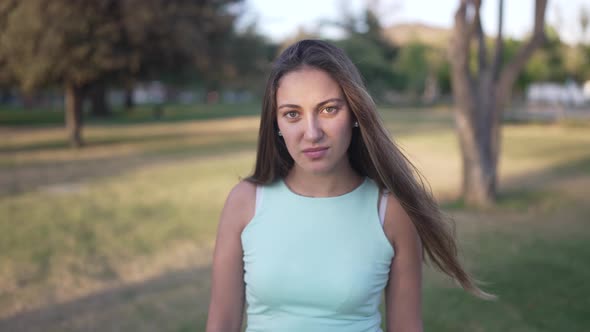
(460,36)
(510,72)
(459,55)
(482,50)
(499,49)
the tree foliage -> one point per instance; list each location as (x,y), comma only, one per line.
(250,57)
(44,42)
(371,52)
(77,43)
(548,63)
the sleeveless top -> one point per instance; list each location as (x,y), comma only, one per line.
(315,264)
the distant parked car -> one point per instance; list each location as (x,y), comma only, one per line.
(569,93)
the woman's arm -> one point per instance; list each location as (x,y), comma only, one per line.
(403,293)
(227,275)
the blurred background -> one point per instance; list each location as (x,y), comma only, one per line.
(124,124)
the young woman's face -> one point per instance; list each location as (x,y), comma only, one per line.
(314,120)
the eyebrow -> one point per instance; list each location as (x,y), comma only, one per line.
(317,106)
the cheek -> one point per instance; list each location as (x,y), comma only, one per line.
(289,134)
(342,132)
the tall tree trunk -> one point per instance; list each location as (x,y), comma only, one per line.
(74,98)
(431,88)
(481,94)
(479,160)
(98,98)
(129,101)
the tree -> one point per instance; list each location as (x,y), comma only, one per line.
(584,20)
(370,50)
(420,66)
(481,94)
(85,44)
(67,42)
(175,41)
(251,56)
(97,93)
(548,63)
(581,63)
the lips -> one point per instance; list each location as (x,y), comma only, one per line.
(315,153)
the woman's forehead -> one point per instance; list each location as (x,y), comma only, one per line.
(307,85)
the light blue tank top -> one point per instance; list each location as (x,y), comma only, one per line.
(315,264)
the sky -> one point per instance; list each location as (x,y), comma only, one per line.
(281,19)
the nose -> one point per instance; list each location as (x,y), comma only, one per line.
(313,130)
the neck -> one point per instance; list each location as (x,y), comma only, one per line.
(330,184)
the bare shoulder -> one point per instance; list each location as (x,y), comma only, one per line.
(243,192)
(240,204)
(398,225)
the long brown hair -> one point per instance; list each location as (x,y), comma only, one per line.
(371,153)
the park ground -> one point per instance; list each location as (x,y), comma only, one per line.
(118,236)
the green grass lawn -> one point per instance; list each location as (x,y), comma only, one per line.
(118,235)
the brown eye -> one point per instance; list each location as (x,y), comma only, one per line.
(330,109)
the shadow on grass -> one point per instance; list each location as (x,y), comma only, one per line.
(174,301)
(581,166)
(60,144)
(139,115)
(519,200)
(523,193)
(25,178)
(540,280)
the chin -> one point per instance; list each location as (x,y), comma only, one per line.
(318,167)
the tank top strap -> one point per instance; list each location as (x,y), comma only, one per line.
(383,206)
(371,193)
(267,195)
(259,197)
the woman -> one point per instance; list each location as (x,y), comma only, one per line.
(332,216)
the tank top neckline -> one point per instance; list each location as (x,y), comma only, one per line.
(347,194)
